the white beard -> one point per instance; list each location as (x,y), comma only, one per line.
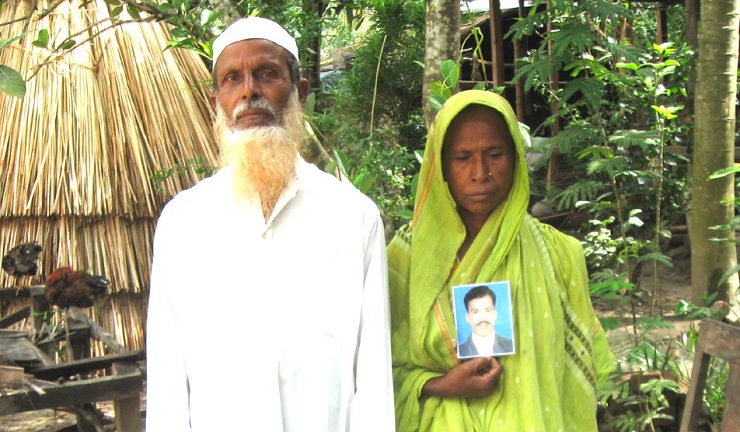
(263,158)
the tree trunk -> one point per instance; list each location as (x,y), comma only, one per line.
(692,38)
(714,136)
(442,43)
(313,13)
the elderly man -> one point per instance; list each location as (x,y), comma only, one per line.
(268,303)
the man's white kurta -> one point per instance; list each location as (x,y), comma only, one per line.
(277,326)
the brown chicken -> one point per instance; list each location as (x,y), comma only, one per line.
(22,260)
(67,287)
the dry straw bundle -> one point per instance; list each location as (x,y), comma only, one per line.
(78,153)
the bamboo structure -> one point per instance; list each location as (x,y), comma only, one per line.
(79,152)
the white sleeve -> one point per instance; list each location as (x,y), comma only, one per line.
(372,406)
(167,383)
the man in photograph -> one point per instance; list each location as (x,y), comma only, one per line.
(480,304)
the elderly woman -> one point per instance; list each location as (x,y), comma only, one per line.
(471,225)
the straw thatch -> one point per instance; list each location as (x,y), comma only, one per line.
(78,153)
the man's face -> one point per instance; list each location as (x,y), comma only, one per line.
(253,81)
(481,315)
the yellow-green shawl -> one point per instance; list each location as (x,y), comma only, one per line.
(561,351)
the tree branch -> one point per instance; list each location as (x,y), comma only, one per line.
(49,10)
(54,55)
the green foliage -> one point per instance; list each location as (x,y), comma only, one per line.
(642,408)
(662,366)
(599,246)
(389,54)
(621,108)
(194,26)
(197,166)
(442,90)
(610,323)
(11,82)
(362,180)
(697,312)
(715,391)
(378,128)
(659,369)
(582,190)
(195,30)
(43,39)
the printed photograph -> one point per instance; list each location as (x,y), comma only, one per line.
(483,318)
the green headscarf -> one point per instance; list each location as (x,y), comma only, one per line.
(561,350)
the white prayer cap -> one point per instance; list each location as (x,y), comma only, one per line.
(253,28)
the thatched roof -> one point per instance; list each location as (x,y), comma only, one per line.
(78,153)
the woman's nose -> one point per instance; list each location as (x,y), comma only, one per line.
(481,170)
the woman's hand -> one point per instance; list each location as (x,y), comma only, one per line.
(473,378)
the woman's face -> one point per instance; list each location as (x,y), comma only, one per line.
(478,161)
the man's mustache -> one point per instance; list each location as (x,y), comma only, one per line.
(258,104)
(480,323)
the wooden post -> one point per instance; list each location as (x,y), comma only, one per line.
(660,24)
(39,306)
(722,341)
(88,419)
(497,44)
(691,31)
(128,410)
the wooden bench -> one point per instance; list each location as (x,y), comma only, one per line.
(72,383)
(52,387)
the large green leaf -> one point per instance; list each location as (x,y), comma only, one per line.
(11,82)
(363,182)
(436,101)
(450,73)
(724,172)
(342,161)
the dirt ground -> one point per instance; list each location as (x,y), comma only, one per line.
(37,421)
(673,285)
(48,420)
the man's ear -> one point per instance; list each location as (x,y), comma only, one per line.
(214,101)
(302,86)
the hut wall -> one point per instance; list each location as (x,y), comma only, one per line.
(82,155)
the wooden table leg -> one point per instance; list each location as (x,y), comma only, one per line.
(128,410)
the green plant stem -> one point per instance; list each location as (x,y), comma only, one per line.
(49,10)
(659,201)
(620,218)
(375,87)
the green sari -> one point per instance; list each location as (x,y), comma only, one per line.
(562,355)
